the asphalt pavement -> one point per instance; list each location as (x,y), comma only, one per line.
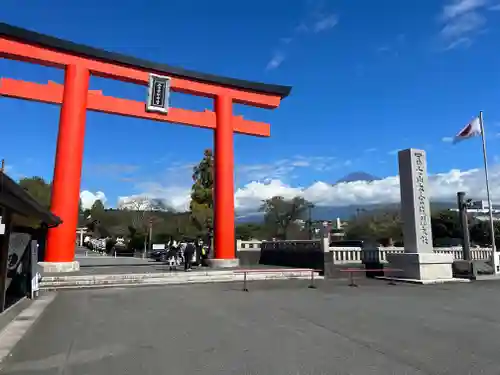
(92,259)
(277,328)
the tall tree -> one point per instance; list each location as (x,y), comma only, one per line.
(201,205)
(143,209)
(82,218)
(38,188)
(97,210)
(280,214)
(96,219)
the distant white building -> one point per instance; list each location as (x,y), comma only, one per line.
(481,206)
(480,210)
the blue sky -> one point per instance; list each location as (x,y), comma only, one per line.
(368,78)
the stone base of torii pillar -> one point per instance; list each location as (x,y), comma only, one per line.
(419,263)
(58,267)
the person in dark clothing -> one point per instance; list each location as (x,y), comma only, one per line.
(188,255)
(199,251)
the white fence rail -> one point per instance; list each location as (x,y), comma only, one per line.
(352,255)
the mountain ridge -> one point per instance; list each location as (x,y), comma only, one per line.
(345,212)
(357,176)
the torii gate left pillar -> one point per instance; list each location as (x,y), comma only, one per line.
(80,62)
(68,167)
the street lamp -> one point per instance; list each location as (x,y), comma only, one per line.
(310,206)
(358,211)
(151,234)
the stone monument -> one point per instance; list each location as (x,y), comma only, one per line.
(418,263)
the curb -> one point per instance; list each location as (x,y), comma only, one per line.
(127,280)
(15,330)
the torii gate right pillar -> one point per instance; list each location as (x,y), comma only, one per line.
(224,184)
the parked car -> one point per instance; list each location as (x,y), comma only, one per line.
(158,255)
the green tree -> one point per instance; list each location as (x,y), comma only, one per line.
(375,226)
(480,233)
(201,206)
(281,215)
(82,218)
(249,231)
(96,221)
(445,227)
(144,212)
(97,210)
(38,188)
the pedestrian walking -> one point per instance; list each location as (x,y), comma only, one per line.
(189,251)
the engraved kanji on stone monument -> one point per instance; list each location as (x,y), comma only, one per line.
(415,207)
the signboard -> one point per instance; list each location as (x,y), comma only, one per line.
(34,274)
(158,93)
(158,246)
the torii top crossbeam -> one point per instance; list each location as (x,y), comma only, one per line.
(80,62)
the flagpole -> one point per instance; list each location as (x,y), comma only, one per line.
(494,257)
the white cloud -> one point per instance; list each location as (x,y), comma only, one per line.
(463,25)
(459,43)
(88,198)
(283,169)
(442,187)
(325,22)
(316,20)
(462,19)
(459,7)
(276,60)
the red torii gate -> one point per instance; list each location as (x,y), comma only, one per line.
(80,62)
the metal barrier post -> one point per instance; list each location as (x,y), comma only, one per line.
(312,286)
(351,279)
(245,289)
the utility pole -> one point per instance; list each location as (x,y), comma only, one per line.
(310,207)
(150,234)
(464,225)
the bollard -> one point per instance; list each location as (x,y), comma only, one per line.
(351,279)
(245,289)
(312,285)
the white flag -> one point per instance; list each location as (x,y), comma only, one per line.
(472,129)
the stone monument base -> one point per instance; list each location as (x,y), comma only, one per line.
(223,263)
(56,267)
(421,268)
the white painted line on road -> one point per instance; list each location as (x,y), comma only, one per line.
(15,330)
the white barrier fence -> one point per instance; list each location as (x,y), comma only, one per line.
(352,255)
